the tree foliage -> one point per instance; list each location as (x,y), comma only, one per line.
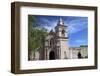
(36,34)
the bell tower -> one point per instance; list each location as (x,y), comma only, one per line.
(61,29)
(62,38)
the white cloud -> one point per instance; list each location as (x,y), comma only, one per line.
(76,25)
(49,25)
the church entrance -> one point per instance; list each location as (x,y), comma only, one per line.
(51,55)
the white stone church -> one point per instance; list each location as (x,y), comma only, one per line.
(56,46)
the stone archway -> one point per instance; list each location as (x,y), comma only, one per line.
(52,55)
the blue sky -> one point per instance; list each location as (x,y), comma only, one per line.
(77,27)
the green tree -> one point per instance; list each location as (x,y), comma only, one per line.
(36,34)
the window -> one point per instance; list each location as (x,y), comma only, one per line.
(50,42)
(63,32)
(65,54)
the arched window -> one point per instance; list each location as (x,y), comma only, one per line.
(63,32)
(65,55)
(50,42)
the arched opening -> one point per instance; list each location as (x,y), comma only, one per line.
(50,42)
(63,32)
(51,55)
(65,55)
(79,55)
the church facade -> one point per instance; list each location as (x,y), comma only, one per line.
(56,45)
